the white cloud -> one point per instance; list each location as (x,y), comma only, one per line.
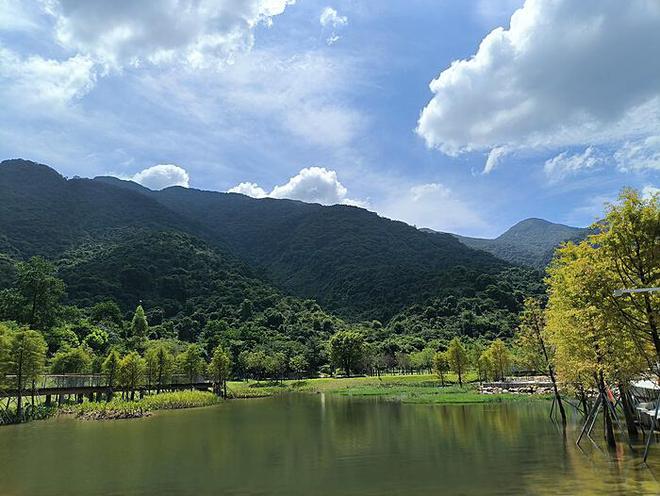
(565,164)
(432,205)
(495,156)
(311,185)
(162,176)
(330,17)
(249,189)
(125,32)
(564,73)
(35,80)
(640,154)
(648,191)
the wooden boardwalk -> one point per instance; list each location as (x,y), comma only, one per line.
(86,384)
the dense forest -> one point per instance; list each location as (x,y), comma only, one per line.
(270,281)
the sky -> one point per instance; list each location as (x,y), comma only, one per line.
(464,116)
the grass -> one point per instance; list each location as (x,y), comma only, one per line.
(424,388)
(120,409)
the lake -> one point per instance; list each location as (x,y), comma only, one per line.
(316,445)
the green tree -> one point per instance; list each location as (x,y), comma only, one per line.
(531,338)
(458,358)
(159,365)
(131,372)
(346,348)
(139,324)
(629,239)
(191,362)
(441,365)
(71,361)
(219,370)
(110,368)
(299,365)
(36,298)
(26,359)
(500,359)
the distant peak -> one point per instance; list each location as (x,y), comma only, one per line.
(22,165)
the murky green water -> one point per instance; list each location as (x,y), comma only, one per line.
(315,445)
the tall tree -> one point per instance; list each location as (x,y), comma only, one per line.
(441,365)
(629,238)
(219,370)
(139,324)
(110,368)
(27,360)
(131,372)
(159,362)
(531,339)
(346,348)
(191,362)
(458,358)
(500,359)
(588,342)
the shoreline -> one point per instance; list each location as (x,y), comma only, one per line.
(408,389)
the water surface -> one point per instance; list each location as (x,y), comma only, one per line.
(315,445)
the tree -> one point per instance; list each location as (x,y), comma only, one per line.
(589,345)
(191,362)
(346,348)
(26,359)
(219,370)
(500,359)
(139,324)
(35,299)
(441,365)
(458,358)
(110,368)
(276,365)
(71,361)
(131,372)
(629,238)
(106,311)
(159,365)
(532,341)
(299,365)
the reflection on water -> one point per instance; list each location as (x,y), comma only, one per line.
(316,445)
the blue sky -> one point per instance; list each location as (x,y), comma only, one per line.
(445,114)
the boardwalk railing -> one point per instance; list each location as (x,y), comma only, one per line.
(85,383)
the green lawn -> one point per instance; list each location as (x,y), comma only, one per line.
(406,388)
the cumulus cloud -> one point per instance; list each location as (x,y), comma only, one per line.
(249,189)
(311,185)
(565,164)
(162,176)
(432,205)
(38,80)
(639,155)
(125,32)
(564,73)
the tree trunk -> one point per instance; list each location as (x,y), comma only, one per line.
(560,404)
(609,428)
(628,412)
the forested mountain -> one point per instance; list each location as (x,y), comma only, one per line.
(530,242)
(267,275)
(351,261)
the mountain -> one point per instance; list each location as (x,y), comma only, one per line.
(530,242)
(350,260)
